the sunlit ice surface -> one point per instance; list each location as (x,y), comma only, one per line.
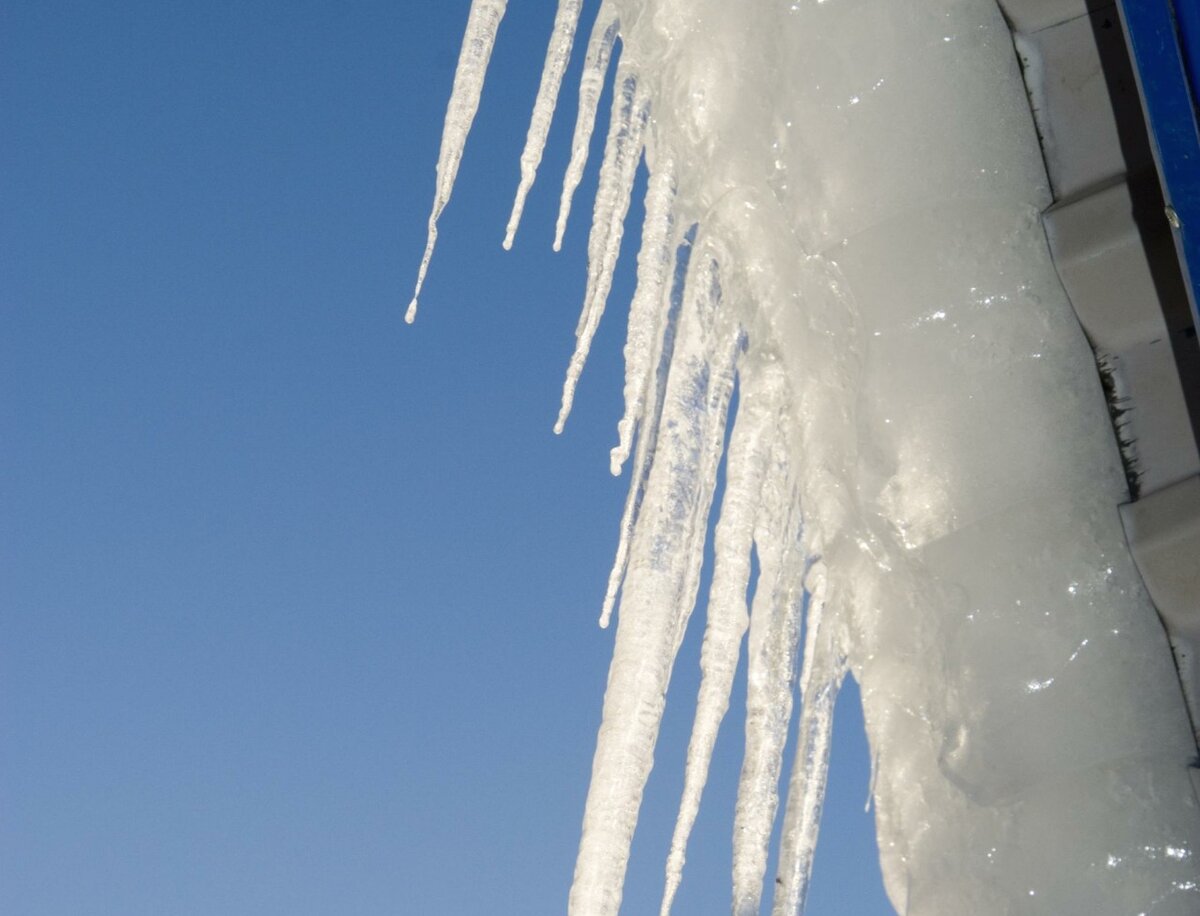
(842,222)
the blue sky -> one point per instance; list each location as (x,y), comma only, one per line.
(297,602)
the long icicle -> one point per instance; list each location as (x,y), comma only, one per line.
(622,152)
(657,600)
(646,311)
(774,634)
(663,351)
(820,679)
(718,364)
(810,771)
(591,84)
(557,55)
(480,36)
(760,398)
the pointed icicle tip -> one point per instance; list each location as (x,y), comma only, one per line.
(411,314)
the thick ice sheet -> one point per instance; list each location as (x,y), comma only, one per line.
(844,201)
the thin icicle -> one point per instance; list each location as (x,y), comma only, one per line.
(557,55)
(820,679)
(810,772)
(647,311)
(659,591)
(622,152)
(633,501)
(480,36)
(591,84)
(749,449)
(774,634)
(716,363)
(663,350)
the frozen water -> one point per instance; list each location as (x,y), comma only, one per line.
(478,39)
(621,155)
(755,431)
(843,207)
(557,56)
(595,66)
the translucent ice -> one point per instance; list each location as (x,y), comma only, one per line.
(755,432)
(557,55)
(595,66)
(480,36)
(843,204)
(621,155)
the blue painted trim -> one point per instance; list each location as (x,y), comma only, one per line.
(1187,23)
(1164,42)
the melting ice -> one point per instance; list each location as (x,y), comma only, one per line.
(932,502)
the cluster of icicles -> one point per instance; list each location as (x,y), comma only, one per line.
(686,346)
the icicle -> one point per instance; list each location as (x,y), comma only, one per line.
(659,590)
(633,501)
(591,84)
(774,633)
(557,55)
(716,364)
(749,448)
(810,771)
(663,350)
(621,155)
(647,312)
(820,679)
(480,36)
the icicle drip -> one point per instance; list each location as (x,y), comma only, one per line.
(647,312)
(480,36)
(659,589)
(663,349)
(557,55)
(621,155)
(774,634)
(820,680)
(749,449)
(591,84)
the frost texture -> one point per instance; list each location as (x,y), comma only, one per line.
(847,230)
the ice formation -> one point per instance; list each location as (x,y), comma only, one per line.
(842,219)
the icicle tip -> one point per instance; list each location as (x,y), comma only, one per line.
(565,411)
(514,219)
(618,455)
(610,598)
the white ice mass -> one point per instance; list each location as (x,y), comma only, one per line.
(842,220)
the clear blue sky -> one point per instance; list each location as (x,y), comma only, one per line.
(297,602)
